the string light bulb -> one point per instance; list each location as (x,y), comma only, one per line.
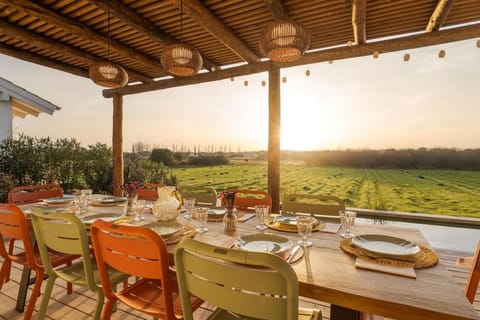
(245,83)
(406,57)
(284,79)
(375,54)
(307,73)
(264,83)
(441,54)
(478,43)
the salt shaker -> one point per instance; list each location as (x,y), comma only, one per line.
(230,218)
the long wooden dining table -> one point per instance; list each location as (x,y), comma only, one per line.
(327,273)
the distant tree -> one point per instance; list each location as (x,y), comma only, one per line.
(163,155)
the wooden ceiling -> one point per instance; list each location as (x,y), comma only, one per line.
(70,35)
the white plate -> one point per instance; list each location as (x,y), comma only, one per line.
(385,245)
(112,199)
(107,216)
(291,220)
(57,200)
(165,229)
(264,243)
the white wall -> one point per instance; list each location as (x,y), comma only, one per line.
(5,119)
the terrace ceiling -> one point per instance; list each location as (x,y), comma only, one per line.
(70,35)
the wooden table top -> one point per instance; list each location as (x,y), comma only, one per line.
(328,274)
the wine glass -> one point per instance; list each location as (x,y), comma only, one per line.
(189,205)
(201,215)
(347,220)
(261,211)
(304,228)
(138,207)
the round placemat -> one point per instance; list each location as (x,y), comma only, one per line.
(272,224)
(424,259)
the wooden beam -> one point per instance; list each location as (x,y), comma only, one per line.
(117,145)
(72,26)
(274,137)
(34,58)
(359,21)
(201,15)
(200,78)
(439,15)
(392,45)
(40,41)
(277,8)
(134,20)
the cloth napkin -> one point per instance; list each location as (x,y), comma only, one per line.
(380,266)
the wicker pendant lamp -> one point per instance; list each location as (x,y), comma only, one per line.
(284,40)
(106,73)
(180,59)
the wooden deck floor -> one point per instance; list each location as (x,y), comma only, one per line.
(80,304)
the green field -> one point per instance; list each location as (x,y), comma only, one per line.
(445,192)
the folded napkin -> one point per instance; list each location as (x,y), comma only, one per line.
(330,227)
(381,265)
(246,217)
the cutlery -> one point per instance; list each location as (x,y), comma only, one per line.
(293,253)
(176,237)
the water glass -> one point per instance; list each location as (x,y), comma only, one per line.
(138,208)
(304,228)
(201,215)
(189,205)
(347,219)
(261,211)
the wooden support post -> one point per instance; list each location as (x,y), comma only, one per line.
(274,137)
(117,142)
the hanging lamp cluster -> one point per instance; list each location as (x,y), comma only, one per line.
(284,40)
(106,73)
(180,59)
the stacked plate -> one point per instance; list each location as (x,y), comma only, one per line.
(382,246)
(262,242)
(289,223)
(108,201)
(58,201)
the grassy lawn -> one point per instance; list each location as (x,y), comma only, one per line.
(446,192)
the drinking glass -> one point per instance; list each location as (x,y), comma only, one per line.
(85,195)
(189,205)
(202,217)
(304,228)
(347,219)
(138,207)
(261,211)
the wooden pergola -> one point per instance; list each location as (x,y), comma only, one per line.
(71,35)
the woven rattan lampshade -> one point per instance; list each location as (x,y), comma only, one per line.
(107,74)
(181,60)
(284,40)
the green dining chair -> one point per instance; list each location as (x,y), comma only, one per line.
(62,231)
(323,205)
(204,196)
(241,284)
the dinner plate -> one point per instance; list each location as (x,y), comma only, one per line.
(261,242)
(112,199)
(107,216)
(385,245)
(292,220)
(58,200)
(165,229)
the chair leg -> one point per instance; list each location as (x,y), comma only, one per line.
(46,296)
(10,251)
(107,309)
(4,272)
(34,295)
(69,284)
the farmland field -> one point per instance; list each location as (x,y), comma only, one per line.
(446,192)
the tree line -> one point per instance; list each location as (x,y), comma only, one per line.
(421,158)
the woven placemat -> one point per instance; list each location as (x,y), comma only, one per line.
(186,232)
(272,224)
(217,217)
(424,259)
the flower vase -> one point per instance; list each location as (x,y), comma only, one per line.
(230,217)
(132,197)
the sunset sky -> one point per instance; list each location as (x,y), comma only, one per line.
(355,103)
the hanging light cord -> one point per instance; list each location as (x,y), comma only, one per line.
(181,21)
(108,30)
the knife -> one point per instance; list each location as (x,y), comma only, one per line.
(293,253)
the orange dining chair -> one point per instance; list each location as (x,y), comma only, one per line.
(149,191)
(142,253)
(34,193)
(246,200)
(14,226)
(474,278)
